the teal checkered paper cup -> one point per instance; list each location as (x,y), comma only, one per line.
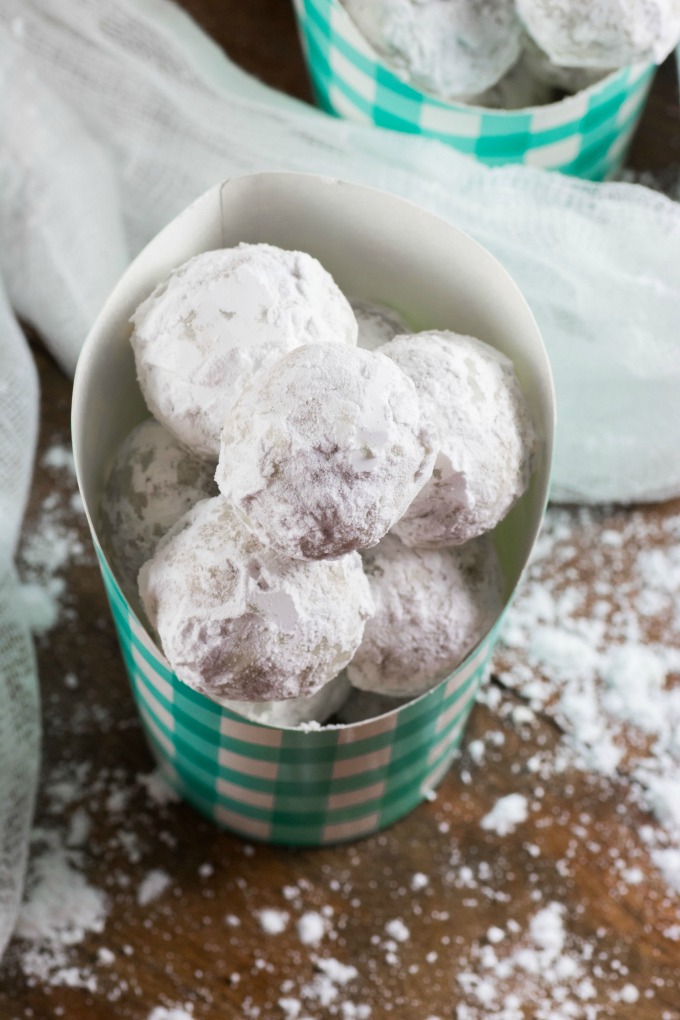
(310,786)
(586,135)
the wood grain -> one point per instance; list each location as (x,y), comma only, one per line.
(181,948)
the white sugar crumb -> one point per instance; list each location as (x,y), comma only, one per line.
(158,788)
(79,828)
(419,881)
(152,887)
(290,1007)
(397,930)
(476,750)
(273,921)
(506,814)
(60,905)
(60,909)
(59,458)
(170,1013)
(337,972)
(495,934)
(48,546)
(311,928)
(628,993)
(39,606)
(667,861)
(324,989)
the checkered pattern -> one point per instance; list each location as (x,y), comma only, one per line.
(291,786)
(586,135)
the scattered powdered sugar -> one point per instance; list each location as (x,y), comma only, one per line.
(311,928)
(397,930)
(49,545)
(552,966)
(60,908)
(40,605)
(272,921)
(171,1013)
(332,976)
(506,814)
(602,656)
(153,886)
(540,967)
(59,458)
(59,904)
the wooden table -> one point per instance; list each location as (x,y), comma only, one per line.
(200,944)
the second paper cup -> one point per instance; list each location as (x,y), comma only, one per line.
(586,134)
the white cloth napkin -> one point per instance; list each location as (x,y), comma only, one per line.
(115,114)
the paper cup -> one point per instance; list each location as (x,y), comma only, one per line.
(586,135)
(293,786)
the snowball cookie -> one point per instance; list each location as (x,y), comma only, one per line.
(217,320)
(450,48)
(238,621)
(377,324)
(315,708)
(606,34)
(153,482)
(432,607)
(486,437)
(323,452)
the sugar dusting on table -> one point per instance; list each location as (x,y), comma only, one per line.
(603,659)
(49,545)
(592,661)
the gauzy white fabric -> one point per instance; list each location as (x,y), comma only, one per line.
(172,115)
(19,718)
(596,262)
(115,114)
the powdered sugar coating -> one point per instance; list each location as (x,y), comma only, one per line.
(606,34)
(377,324)
(238,621)
(450,48)
(485,433)
(152,483)
(324,452)
(432,607)
(316,707)
(220,318)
